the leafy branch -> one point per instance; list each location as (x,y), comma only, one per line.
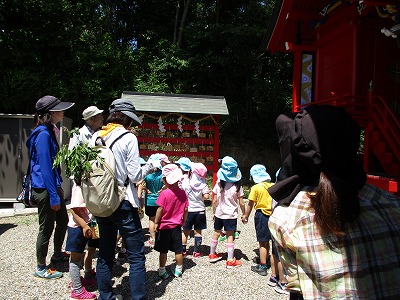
(77,160)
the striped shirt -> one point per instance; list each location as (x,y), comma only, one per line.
(365,264)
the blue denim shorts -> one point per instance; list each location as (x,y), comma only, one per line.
(196,220)
(226,224)
(76,241)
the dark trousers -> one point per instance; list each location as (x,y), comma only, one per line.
(47,218)
(296,296)
(126,220)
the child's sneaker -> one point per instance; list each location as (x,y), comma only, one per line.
(213,257)
(233,263)
(88,282)
(90,274)
(260,269)
(236,235)
(184,253)
(176,272)
(47,273)
(197,254)
(164,275)
(281,288)
(151,243)
(60,257)
(84,294)
(222,238)
(273,281)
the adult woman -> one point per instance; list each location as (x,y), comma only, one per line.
(337,237)
(125,218)
(46,182)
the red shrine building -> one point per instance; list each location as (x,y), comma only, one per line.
(347,53)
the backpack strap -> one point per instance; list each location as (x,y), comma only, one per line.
(112,144)
(117,138)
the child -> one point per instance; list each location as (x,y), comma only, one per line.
(261,200)
(197,191)
(171,214)
(80,234)
(185,164)
(227,192)
(154,185)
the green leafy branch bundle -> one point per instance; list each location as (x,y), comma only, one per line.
(77,159)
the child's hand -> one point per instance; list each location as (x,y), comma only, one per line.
(87,232)
(244,219)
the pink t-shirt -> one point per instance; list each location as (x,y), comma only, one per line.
(227,200)
(174,202)
(78,203)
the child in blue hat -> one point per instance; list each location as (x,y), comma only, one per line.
(154,185)
(227,197)
(261,200)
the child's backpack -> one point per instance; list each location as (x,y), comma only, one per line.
(100,188)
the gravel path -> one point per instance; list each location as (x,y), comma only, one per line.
(200,280)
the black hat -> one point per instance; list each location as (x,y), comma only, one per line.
(51,103)
(126,107)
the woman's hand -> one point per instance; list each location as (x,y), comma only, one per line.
(55,207)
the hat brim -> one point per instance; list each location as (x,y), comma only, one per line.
(132,116)
(174,176)
(184,167)
(221,175)
(261,178)
(97,112)
(62,106)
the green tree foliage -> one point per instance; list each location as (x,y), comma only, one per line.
(89,51)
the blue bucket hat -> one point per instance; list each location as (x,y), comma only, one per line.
(229,170)
(184,163)
(258,173)
(154,159)
(142,161)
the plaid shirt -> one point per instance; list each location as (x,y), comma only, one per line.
(365,264)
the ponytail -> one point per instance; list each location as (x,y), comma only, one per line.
(335,203)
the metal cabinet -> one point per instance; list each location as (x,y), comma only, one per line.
(14,157)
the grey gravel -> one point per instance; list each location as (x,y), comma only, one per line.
(200,280)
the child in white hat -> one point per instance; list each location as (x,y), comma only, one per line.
(197,191)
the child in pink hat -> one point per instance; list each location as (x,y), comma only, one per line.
(197,191)
(170,215)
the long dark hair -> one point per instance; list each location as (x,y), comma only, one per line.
(42,119)
(238,184)
(45,119)
(335,203)
(119,118)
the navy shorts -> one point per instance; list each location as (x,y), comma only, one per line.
(150,211)
(227,224)
(169,239)
(76,241)
(262,230)
(196,220)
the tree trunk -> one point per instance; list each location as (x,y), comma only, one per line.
(184,15)
(178,8)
